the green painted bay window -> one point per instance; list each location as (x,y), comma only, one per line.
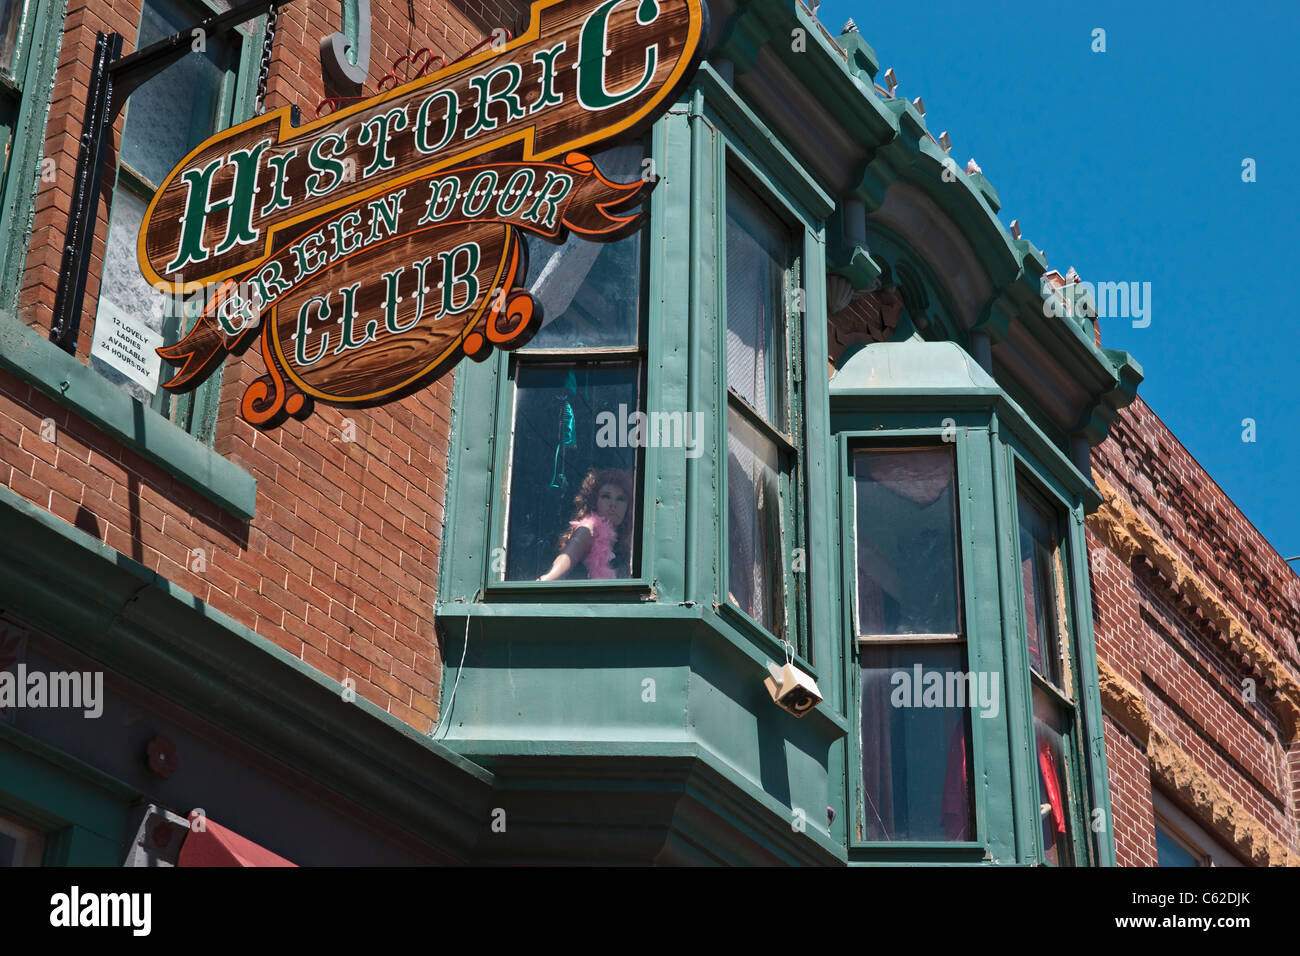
(965,601)
(205,92)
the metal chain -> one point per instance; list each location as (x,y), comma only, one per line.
(272,16)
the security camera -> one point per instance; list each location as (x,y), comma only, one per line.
(792,689)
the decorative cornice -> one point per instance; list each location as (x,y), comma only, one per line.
(1212,806)
(1186,780)
(1122,529)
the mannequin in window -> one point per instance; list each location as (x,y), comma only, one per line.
(600,534)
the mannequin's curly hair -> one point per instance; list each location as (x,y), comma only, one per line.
(584,503)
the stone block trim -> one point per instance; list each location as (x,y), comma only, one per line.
(1186,780)
(1119,526)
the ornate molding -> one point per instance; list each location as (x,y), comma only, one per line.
(1186,780)
(1122,529)
(1211,805)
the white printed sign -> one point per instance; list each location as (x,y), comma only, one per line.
(127,345)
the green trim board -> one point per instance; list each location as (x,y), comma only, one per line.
(30,356)
(83,813)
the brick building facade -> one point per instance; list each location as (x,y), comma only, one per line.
(271,609)
(1196,622)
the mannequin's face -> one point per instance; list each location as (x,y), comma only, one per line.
(611,504)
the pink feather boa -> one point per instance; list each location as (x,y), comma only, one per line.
(601,553)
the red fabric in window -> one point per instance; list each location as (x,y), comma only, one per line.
(1048,770)
(217,846)
(955,814)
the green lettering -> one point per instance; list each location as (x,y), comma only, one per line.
(482,186)
(552,193)
(199,205)
(300,334)
(439,194)
(422,123)
(451,278)
(346,241)
(349,317)
(548,95)
(382,125)
(391,279)
(269,275)
(593,93)
(381,210)
(280,165)
(510,200)
(320,163)
(509,96)
(308,256)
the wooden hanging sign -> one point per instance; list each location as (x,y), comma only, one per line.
(374,248)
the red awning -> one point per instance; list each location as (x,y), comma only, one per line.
(217,846)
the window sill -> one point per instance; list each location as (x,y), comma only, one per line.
(47,367)
(613,588)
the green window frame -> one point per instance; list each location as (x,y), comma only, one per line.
(976,641)
(232,102)
(617,351)
(935,777)
(1050,651)
(746,198)
(78,815)
(26,80)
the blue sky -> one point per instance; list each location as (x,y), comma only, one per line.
(1127,165)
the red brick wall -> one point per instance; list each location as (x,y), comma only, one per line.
(1191,684)
(339,565)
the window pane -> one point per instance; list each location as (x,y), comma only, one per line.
(558,468)
(755,563)
(11,21)
(1169,852)
(758,260)
(916,771)
(1038,581)
(1050,727)
(906,542)
(590,292)
(175,111)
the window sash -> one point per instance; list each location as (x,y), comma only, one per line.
(958,592)
(771,353)
(765,576)
(772,413)
(1056,692)
(1059,674)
